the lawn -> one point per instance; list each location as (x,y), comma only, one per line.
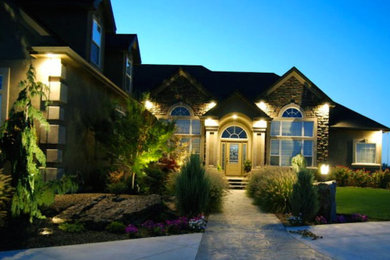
(368,201)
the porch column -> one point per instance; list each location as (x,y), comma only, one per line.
(258,146)
(211,127)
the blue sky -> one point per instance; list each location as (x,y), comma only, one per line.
(342,46)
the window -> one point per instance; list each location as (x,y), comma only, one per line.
(96,42)
(1,82)
(282,151)
(129,68)
(291,135)
(365,153)
(234,132)
(187,128)
(292,112)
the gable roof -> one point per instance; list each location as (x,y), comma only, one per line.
(236,103)
(127,42)
(305,80)
(343,117)
(220,84)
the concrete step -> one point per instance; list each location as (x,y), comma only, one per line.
(237,182)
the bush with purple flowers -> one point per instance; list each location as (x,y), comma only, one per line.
(320,220)
(180,225)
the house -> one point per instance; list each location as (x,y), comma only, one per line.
(230,117)
(75,50)
(225,117)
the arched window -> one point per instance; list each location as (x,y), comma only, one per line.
(292,112)
(180,111)
(234,132)
(292,134)
(187,128)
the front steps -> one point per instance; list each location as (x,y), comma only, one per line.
(237,183)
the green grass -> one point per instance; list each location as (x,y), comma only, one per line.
(368,201)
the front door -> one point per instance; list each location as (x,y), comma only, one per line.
(233,158)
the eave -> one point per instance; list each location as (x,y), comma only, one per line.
(70,55)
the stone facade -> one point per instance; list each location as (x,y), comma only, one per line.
(293,91)
(180,89)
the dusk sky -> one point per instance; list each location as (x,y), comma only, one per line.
(342,46)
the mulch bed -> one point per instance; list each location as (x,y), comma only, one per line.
(21,234)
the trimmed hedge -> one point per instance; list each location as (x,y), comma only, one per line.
(360,178)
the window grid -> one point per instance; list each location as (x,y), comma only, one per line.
(365,153)
(96,42)
(278,155)
(187,129)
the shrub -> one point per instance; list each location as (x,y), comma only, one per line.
(218,188)
(5,196)
(361,178)
(192,188)
(298,162)
(153,182)
(116,227)
(271,188)
(72,227)
(118,188)
(304,198)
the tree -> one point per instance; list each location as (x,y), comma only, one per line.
(138,138)
(19,147)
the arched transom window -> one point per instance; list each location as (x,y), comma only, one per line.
(187,128)
(292,134)
(292,112)
(234,132)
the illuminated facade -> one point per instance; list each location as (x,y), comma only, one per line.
(261,117)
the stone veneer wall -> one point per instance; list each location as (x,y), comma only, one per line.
(293,91)
(180,90)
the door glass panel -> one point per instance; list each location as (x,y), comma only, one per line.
(233,153)
(243,152)
(223,155)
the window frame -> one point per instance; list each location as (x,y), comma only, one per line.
(301,138)
(355,155)
(4,93)
(128,76)
(98,45)
(189,135)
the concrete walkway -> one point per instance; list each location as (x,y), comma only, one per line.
(242,231)
(369,240)
(154,248)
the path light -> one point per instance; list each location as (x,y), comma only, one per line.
(324,169)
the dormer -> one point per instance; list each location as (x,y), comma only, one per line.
(122,53)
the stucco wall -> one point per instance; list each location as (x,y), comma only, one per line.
(341,142)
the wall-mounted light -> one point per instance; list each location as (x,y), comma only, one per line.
(210,122)
(148,104)
(260,124)
(262,105)
(211,105)
(325,108)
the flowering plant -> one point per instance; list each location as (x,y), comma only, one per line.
(131,230)
(197,223)
(359,218)
(320,220)
(295,220)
